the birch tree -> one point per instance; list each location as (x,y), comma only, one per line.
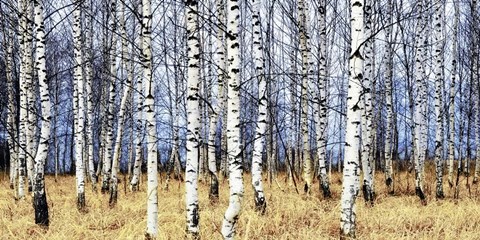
(234,147)
(304,50)
(366,106)
(451,144)
(322,117)
(78,105)
(388,73)
(22,154)
(220,65)
(39,195)
(438,71)
(420,103)
(351,170)
(193,118)
(259,197)
(152,178)
(121,114)
(110,108)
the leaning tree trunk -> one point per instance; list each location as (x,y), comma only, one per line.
(258,147)
(438,71)
(193,118)
(39,195)
(78,105)
(121,114)
(420,103)
(321,105)
(152,177)
(351,170)
(389,102)
(234,147)
(367,108)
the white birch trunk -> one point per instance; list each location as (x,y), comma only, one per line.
(321,105)
(366,106)
(121,114)
(108,150)
(89,94)
(40,197)
(388,59)
(139,133)
(438,71)
(22,154)
(193,118)
(451,144)
(220,65)
(307,161)
(234,147)
(258,146)
(351,170)
(152,177)
(420,103)
(78,109)
(30,95)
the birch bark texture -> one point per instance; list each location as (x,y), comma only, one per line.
(193,118)
(258,146)
(388,59)
(420,103)
(152,177)
(451,110)
(305,52)
(39,194)
(438,59)
(234,147)
(366,105)
(351,170)
(79,105)
(322,118)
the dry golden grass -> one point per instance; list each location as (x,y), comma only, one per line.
(289,215)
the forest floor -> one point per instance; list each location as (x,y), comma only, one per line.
(289,215)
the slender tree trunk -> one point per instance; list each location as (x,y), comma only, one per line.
(420,103)
(121,114)
(108,149)
(351,170)
(39,195)
(321,105)
(234,147)
(258,147)
(152,177)
(22,154)
(193,118)
(78,106)
(307,161)
(438,71)
(30,97)
(389,102)
(451,144)
(367,108)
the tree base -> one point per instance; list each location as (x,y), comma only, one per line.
(81,206)
(113,197)
(105,187)
(41,209)
(368,195)
(213,194)
(421,195)
(260,204)
(326,190)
